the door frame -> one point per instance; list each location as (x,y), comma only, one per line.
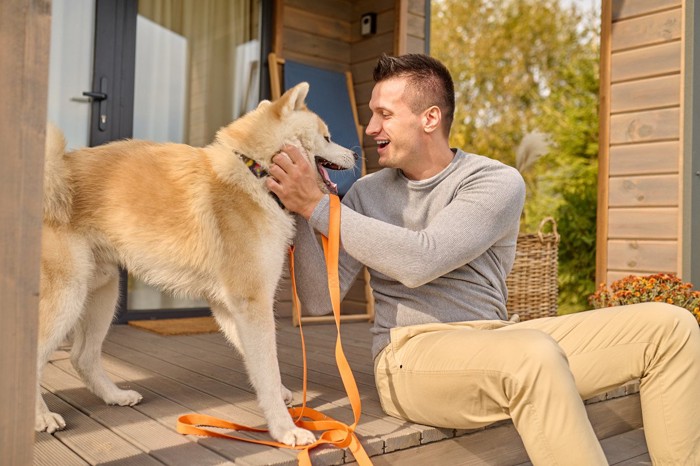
(115,61)
(690,223)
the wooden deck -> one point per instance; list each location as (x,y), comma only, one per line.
(201,373)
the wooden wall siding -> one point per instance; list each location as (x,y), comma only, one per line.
(658,223)
(400,29)
(640,156)
(652,125)
(313,32)
(644,159)
(647,62)
(365,51)
(647,191)
(653,256)
(647,30)
(629,8)
(635,95)
(327,34)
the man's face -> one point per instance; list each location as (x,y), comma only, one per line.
(395,128)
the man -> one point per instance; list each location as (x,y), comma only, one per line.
(437,228)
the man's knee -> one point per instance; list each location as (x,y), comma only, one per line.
(668,316)
(535,350)
(540,369)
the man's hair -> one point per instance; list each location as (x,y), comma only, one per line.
(428,83)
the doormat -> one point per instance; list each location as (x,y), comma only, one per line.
(181,326)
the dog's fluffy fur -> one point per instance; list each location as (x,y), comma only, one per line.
(192,221)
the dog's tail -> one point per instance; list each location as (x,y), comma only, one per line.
(58,195)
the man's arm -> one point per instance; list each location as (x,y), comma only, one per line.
(293,180)
(484,212)
(311,274)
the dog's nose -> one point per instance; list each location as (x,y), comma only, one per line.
(355,156)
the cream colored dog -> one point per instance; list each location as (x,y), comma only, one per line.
(194,221)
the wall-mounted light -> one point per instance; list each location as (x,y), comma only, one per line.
(368,24)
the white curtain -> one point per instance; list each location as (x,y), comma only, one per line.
(213,29)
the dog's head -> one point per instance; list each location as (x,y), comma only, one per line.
(261,133)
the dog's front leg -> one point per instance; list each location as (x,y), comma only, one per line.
(251,328)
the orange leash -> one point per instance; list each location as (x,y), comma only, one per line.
(334,432)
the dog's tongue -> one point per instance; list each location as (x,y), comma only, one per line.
(332,187)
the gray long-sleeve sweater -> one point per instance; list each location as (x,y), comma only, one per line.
(438,250)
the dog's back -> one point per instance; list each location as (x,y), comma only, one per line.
(161,211)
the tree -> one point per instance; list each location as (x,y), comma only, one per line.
(523,66)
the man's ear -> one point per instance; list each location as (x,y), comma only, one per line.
(432,118)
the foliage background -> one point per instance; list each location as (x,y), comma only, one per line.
(523,66)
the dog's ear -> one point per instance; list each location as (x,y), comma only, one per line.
(293,99)
(264,103)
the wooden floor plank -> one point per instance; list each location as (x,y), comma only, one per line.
(175,398)
(91,441)
(641,460)
(625,447)
(159,393)
(628,449)
(502,446)
(50,451)
(147,434)
(156,357)
(615,416)
(496,446)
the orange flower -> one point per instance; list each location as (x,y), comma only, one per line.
(660,287)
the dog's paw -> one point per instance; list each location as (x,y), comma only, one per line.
(297,436)
(49,422)
(287,396)
(123,398)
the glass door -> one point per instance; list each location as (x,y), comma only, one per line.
(70,69)
(159,70)
(196,70)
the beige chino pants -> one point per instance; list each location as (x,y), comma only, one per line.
(470,374)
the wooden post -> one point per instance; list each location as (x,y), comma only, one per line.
(604,143)
(401,27)
(24,61)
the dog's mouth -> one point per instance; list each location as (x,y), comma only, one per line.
(321,165)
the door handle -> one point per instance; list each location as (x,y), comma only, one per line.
(100,97)
(96,96)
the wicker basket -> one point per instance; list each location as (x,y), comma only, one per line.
(532,284)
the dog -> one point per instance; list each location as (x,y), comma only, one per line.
(194,221)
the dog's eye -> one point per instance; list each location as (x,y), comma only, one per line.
(327,138)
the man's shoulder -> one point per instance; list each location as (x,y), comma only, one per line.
(477,163)
(484,171)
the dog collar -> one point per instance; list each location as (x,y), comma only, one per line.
(254,167)
(259,172)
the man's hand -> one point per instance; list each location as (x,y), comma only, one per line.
(294,181)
